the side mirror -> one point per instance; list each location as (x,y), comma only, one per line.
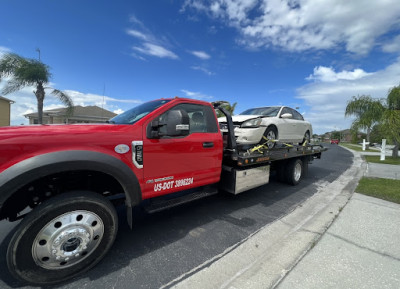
(287,115)
(175,123)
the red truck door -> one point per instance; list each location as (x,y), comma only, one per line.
(176,163)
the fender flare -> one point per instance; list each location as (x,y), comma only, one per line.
(28,170)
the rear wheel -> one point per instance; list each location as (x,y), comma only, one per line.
(62,237)
(294,172)
(306,139)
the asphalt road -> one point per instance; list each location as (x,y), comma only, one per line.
(166,245)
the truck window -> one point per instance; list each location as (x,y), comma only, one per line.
(133,115)
(201,117)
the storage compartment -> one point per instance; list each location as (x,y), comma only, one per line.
(236,181)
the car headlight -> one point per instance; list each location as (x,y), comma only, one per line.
(255,122)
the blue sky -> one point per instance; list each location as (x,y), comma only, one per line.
(311,54)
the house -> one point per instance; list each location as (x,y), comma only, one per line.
(5,111)
(81,114)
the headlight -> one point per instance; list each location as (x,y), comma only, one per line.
(255,122)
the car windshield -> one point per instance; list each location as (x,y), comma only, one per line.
(133,115)
(266,111)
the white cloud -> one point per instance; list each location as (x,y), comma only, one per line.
(299,25)
(137,34)
(200,54)
(203,69)
(327,97)
(155,50)
(4,50)
(328,74)
(196,95)
(393,45)
(148,43)
(118,111)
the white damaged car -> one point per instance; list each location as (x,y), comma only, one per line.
(280,123)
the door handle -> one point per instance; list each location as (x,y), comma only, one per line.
(208,144)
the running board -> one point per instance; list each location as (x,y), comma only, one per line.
(160,205)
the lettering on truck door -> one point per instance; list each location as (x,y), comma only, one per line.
(174,163)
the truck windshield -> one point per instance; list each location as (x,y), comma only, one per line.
(133,115)
(266,111)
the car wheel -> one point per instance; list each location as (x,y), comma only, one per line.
(306,139)
(62,237)
(269,134)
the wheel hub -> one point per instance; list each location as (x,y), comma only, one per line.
(67,239)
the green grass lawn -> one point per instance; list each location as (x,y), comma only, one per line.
(356,147)
(388,160)
(384,189)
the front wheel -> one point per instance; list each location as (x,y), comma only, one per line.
(270,136)
(62,238)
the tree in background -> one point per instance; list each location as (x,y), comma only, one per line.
(230,108)
(24,72)
(368,111)
(391,118)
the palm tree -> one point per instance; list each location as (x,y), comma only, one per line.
(230,108)
(391,118)
(367,111)
(24,72)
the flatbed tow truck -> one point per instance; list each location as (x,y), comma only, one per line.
(64,181)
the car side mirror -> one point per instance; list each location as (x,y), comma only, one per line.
(287,116)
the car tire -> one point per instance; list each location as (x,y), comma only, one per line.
(62,237)
(270,133)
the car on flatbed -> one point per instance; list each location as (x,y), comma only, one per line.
(256,125)
(63,182)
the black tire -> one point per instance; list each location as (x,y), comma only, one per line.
(307,137)
(294,172)
(62,237)
(270,133)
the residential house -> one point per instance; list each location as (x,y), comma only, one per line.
(81,114)
(5,111)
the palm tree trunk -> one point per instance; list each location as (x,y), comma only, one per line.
(40,98)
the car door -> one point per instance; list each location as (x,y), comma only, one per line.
(300,125)
(174,163)
(287,125)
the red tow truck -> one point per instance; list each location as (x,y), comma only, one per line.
(64,181)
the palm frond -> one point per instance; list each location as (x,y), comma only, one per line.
(65,99)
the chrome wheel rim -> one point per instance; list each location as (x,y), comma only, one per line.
(297,172)
(67,239)
(271,136)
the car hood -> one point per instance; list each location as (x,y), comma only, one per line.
(240,118)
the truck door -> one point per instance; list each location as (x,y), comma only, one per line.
(175,163)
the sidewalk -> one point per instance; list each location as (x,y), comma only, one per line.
(360,250)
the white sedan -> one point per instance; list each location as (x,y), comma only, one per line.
(279,123)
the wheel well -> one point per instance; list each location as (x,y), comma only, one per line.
(39,190)
(275,128)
